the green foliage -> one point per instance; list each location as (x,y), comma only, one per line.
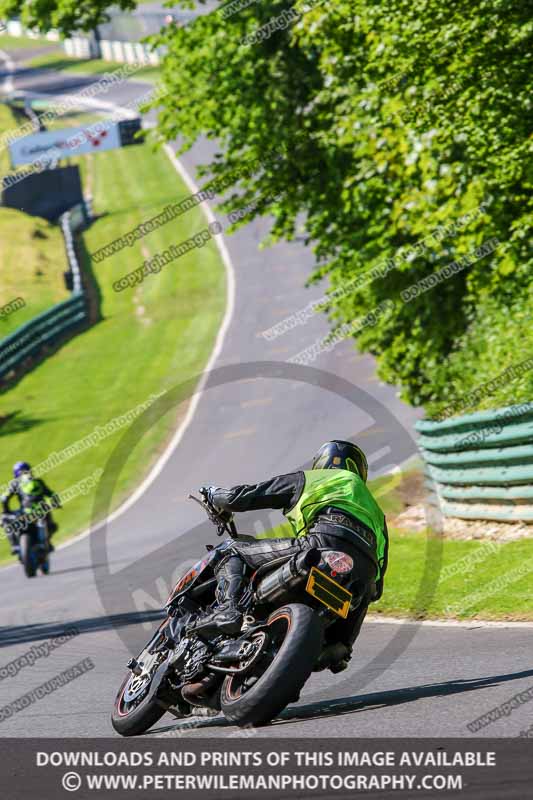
(498,338)
(394,119)
(66,15)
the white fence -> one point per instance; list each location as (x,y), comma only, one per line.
(128,53)
(79,48)
(88,47)
(16,28)
(121,52)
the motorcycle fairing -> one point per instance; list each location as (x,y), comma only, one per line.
(191,576)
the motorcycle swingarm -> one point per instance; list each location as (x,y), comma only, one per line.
(232,656)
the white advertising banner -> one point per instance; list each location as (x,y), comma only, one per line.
(53,145)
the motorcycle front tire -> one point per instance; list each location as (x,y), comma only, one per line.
(26,556)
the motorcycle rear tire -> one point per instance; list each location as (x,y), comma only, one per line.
(282,681)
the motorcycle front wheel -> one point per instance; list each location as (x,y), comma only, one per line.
(26,556)
(136,709)
(131,719)
(293,643)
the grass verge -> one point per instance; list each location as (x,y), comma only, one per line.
(88,66)
(32,254)
(24,42)
(432,577)
(150,338)
(7,123)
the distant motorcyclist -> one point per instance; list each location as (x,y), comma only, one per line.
(31,493)
(328,507)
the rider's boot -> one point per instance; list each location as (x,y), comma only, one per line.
(334,657)
(341,664)
(226,617)
(14,544)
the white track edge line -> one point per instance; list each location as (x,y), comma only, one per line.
(217,348)
(448,623)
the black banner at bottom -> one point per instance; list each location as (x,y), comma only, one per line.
(239,768)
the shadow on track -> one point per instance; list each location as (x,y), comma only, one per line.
(19,634)
(76,569)
(394,697)
(364,702)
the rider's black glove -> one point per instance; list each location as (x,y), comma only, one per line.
(208,493)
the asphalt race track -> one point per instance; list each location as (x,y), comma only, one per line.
(251,422)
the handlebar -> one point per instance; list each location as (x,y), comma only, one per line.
(222,525)
(11,514)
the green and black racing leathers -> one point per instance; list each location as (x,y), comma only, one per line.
(326,508)
(31,494)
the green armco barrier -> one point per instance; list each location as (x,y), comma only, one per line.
(501,455)
(487,435)
(489,512)
(46,328)
(507,493)
(480,466)
(485,476)
(505,414)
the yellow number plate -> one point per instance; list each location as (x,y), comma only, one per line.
(329,592)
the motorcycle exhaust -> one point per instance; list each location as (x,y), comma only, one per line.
(286,577)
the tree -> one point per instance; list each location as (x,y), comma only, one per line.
(65,15)
(395,120)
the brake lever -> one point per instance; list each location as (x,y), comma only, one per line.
(200,502)
(213,516)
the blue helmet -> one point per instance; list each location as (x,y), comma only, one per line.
(20,467)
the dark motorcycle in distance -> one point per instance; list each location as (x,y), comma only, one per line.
(33,552)
(292,605)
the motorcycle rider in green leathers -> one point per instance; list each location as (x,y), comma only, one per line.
(31,494)
(328,507)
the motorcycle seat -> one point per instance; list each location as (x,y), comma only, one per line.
(272,565)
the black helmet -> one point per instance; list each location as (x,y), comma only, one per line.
(342,455)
